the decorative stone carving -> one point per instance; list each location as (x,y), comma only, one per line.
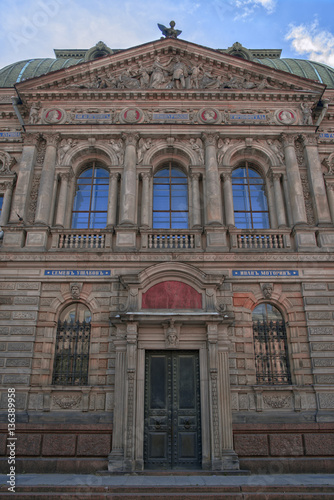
(307,113)
(276,147)
(6,162)
(171,335)
(197,146)
(40,155)
(67,402)
(267,290)
(277,401)
(34,113)
(131,115)
(54,115)
(75,290)
(308,200)
(118,147)
(33,199)
(223,145)
(285,116)
(64,146)
(209,115)
(143,146)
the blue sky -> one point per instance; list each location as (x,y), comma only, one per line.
(33,28)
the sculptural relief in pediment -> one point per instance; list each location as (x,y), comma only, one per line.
(173,72)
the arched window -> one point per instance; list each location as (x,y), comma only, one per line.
(91,199)
(72,346)
(170,198)
(270,346)
(249,199)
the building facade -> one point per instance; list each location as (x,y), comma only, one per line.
(167,266)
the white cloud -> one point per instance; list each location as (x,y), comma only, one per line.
(316,44)
(247,7)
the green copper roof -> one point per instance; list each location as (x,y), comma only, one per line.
(30,68)
(301,67)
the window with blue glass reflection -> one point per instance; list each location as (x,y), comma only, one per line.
(249,199)
(91,199)
(170,198)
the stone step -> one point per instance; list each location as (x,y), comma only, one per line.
(242,492)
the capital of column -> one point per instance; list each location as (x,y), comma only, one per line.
(210,139)
(130,139)
(226,176)
(52,139)
(288,139)
(195,176)
(114,176)
(309,140)
(31,139)
(66,176)
(145,175)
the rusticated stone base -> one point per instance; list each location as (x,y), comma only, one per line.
(287,448)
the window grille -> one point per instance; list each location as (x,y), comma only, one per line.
(271,350)
(72,353)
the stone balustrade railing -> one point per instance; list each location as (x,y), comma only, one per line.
(267,239)
(171,240)
(74,239)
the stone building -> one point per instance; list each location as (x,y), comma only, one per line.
(167,267)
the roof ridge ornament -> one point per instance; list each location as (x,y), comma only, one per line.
(169,32)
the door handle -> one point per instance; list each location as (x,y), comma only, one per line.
(157,424)
(186,424)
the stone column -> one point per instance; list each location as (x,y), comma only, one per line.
(213,201)
(7,199)
(196,201)
(116,456)
(279,201)
(228,199)
(230,459)
(129,181)
(112,199)
(287,200)
(43,208)
(316,181)
(330,195)
(24,178)
(214,391)
(62,199)
(294,181)
(145,199)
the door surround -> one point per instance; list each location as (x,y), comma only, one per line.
(134,333)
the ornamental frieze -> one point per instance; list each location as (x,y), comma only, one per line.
(173,73)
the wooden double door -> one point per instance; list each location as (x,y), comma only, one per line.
(172,435)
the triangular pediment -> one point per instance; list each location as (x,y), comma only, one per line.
(170,64)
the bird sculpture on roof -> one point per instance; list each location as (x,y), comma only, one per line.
(169,32)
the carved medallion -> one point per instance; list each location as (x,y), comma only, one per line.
(54,115)
(285,116)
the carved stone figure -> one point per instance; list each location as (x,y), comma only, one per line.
(307,114)
(223,145)
(180,72)
(195,76)
(118,147)
(197,145)
(64,147)
(143,146)
(275,146)
(34,113)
